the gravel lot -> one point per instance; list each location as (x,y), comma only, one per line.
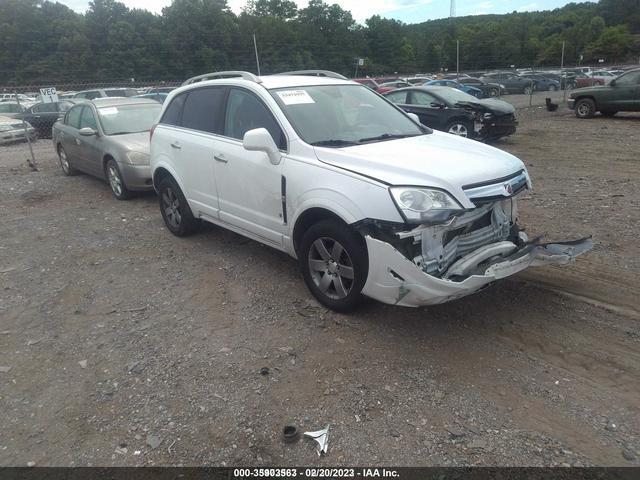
(123,345)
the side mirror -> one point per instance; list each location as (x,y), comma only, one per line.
(437,105)
(414,117)
(87,132)
(260,140)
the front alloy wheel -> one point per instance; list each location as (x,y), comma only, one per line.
(459,129)
(116,183)
(331,268)
(175,209)
(67,169)
(335,264)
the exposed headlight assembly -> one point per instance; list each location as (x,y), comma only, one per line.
(424,205)
(138,158)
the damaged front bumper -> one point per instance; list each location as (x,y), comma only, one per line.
(396,280)
(434,264)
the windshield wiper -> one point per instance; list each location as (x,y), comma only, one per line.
(334,143)
(389,136)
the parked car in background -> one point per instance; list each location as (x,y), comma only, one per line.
(158,97)
(603,75)
(11,97)
(368,82)
(417,80)
(42,116)
(106,92)
(543,83)
(109,139)
(621,95)
(13,130)
(166,90)
(487,89)
(476,92)
(385,87)
(452,111)
(12,109)
(581,80)
(512,83)
(364,197)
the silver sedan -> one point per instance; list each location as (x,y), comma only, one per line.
(108,138)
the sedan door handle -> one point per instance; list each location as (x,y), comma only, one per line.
(220,158)
(176,145)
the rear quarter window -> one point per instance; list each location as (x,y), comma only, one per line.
(173,113)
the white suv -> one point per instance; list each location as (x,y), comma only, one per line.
(368,200)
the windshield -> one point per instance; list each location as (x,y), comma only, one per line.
(453,96)
(129,118)
(343,115)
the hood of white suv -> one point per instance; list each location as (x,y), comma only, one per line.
(437,160)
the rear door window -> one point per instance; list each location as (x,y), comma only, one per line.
(44,108)
(423,98)
(203,109)
(246,112)
(397,97)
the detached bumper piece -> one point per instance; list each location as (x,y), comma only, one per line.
(498,127)
(394,279)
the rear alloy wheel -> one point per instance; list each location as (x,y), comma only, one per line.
(67,169)
(175,209)
(334,264)
(494,92)
(528,90)
(118,188)
(459,128)
(553,88)
(585,108)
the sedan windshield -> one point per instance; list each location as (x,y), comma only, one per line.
(343,115)
(133,118)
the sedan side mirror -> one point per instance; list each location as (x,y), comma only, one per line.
(437,105)
(414,117)
(87,132)
(260,140)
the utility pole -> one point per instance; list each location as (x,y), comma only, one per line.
(457,59)
(255,47)
(564,95)
(452,10)
(26,133)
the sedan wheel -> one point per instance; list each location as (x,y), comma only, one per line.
(527,90)
(116,183)
(553,88)
(67,169)
(459,129)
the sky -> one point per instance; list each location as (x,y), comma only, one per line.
(408,11)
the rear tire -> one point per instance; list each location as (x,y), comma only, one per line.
(585,108)
(65,164)
(494,92)
(175,209)
(335,264)
(553,88)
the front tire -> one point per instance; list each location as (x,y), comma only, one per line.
(335,264)
(528,90)
(459,128)
(114,177)
(553,88)
(494,92)
(175,209)
(585,108)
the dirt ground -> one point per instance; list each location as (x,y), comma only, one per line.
(124,345)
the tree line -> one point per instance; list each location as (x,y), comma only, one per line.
(43,42)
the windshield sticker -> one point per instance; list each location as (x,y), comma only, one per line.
(295,97)
(108,111)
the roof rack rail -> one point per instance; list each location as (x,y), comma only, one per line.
(230,74)
(316,73)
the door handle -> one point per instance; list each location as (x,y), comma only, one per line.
(220,158)
(176,145)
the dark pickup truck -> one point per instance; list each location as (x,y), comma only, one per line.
(621,95)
